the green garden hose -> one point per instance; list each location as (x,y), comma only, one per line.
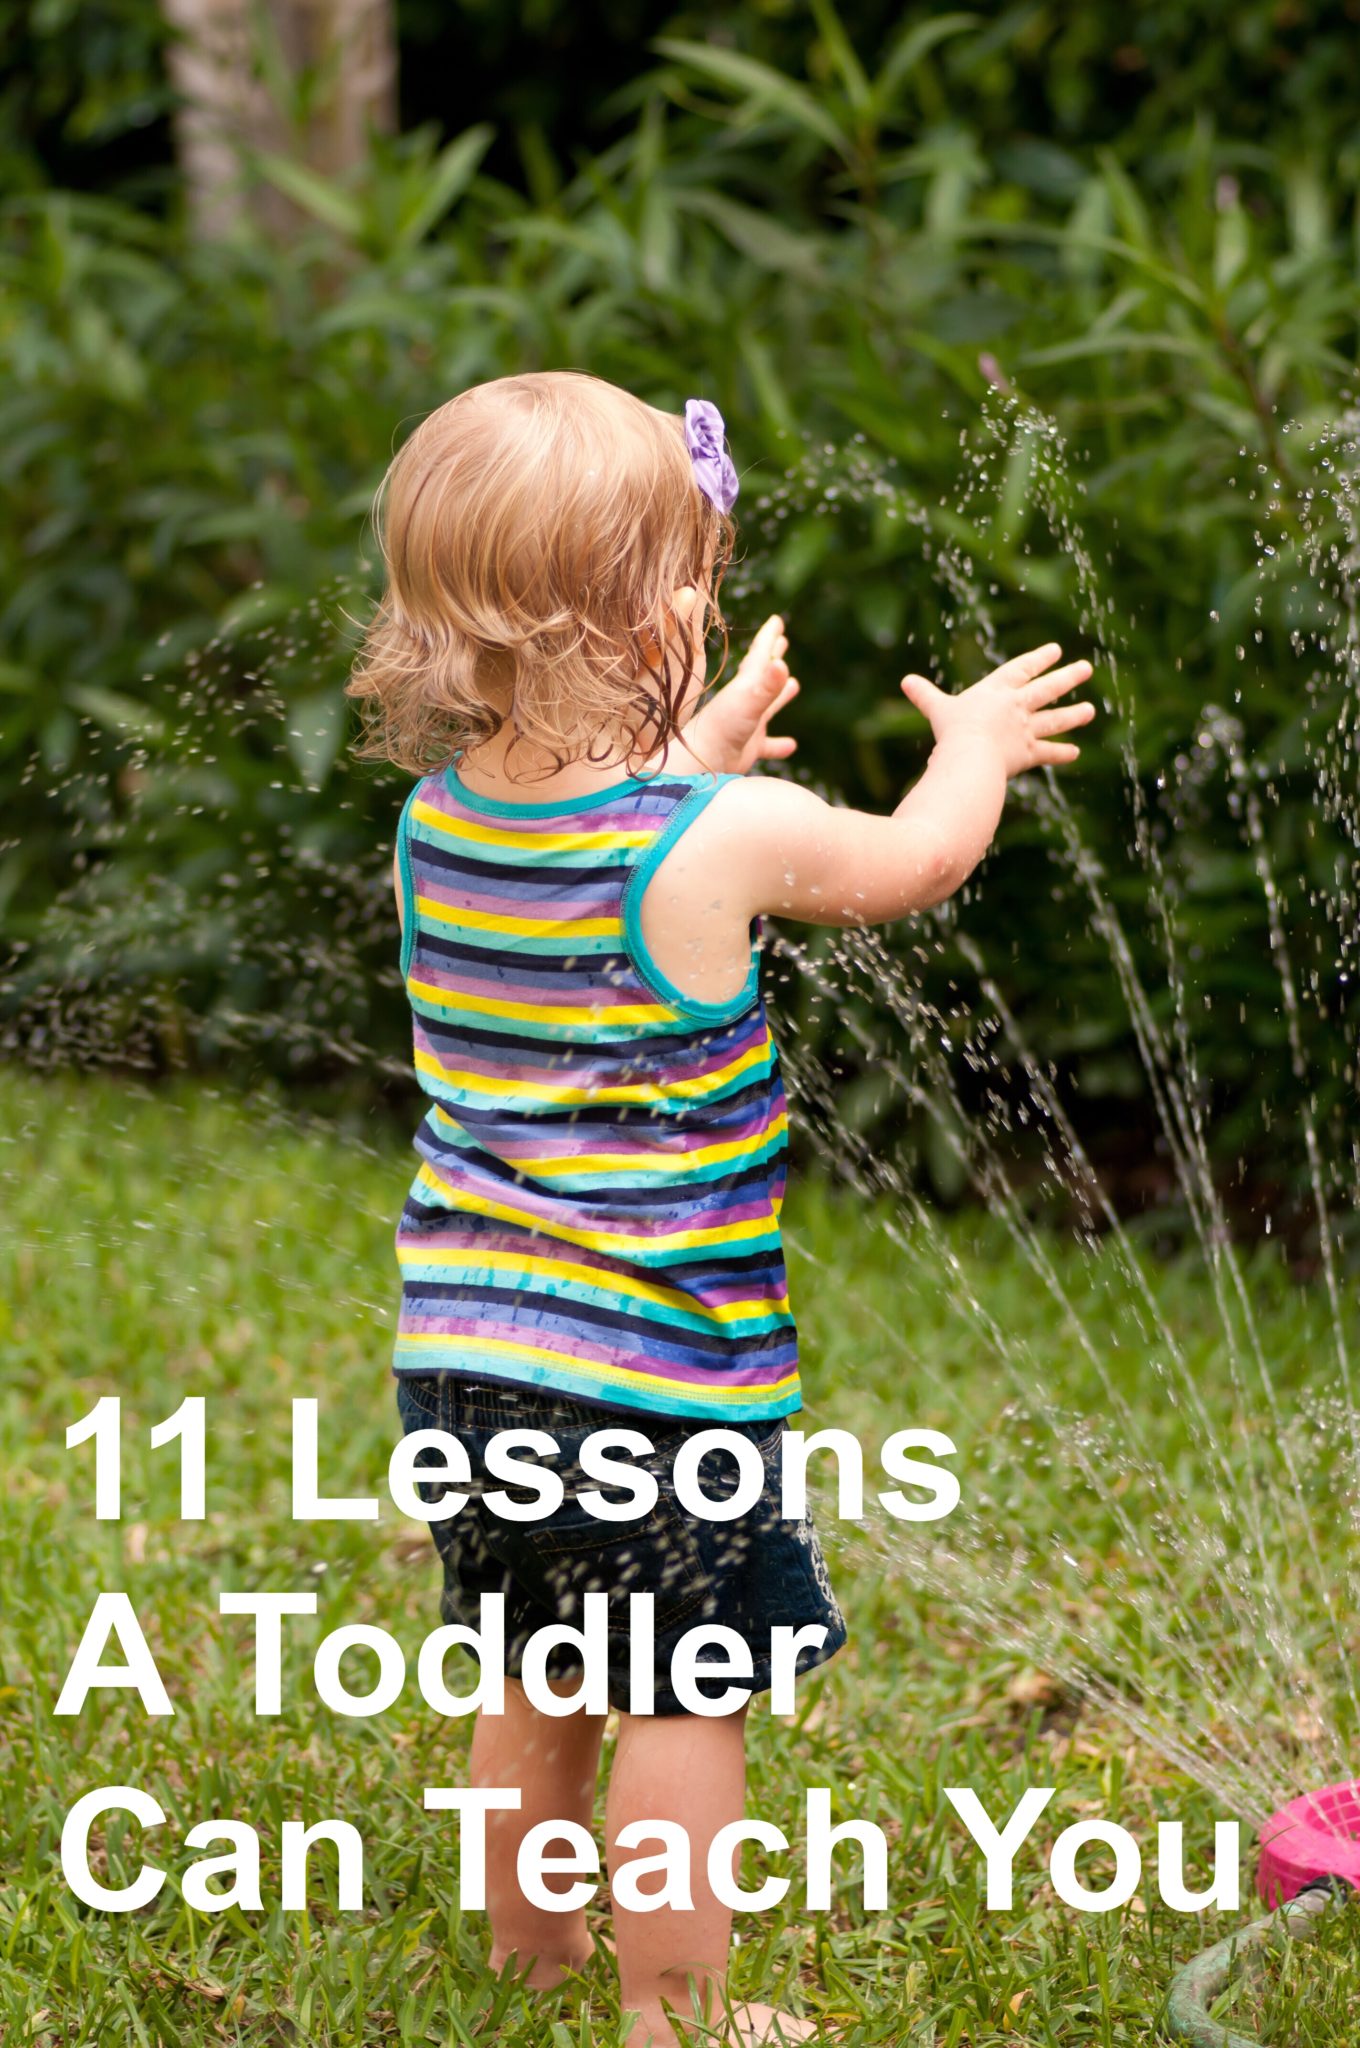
(1194,1989)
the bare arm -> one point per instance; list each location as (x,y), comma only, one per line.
(777,847)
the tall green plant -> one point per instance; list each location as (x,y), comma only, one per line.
(192,439)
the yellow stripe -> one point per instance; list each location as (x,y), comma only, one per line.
(655,1162)
(543,1013)
(592,1240)
(532,842)
(611,1283)
(528,927)
(617,1375)
(620,1091)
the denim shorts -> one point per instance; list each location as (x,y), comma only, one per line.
(751,1574)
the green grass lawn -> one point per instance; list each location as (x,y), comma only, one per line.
(196,1242)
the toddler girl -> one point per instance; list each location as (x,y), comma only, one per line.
(592,1239)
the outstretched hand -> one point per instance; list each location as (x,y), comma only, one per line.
(1014,709)
(731,732)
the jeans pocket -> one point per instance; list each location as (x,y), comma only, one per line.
(418,1400)
(573,1553)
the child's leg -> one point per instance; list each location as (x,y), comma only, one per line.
(553,1764)
(684,1768)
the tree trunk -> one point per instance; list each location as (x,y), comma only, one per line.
(237,65)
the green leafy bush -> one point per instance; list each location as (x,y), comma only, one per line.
(981,392)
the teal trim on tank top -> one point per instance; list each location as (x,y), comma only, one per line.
(640,953)
(499,809)
(408,890)
(639,875)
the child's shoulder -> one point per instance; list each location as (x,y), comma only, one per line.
(746,837)
(751,817)
(768,845)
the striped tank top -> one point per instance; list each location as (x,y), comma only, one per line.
(602,1162)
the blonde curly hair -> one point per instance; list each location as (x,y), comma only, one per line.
(535,531)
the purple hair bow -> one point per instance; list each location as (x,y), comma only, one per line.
(713,469)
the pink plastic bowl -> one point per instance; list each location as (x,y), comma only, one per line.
(1317,1835)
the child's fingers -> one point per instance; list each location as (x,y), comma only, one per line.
(1063,718)
(768,692)
(786,695)
(764,674)
(778,748)
(1023,668)
(921,692)
(765,646)
(1056,754)
(1044,689)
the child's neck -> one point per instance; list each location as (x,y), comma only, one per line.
(527,774)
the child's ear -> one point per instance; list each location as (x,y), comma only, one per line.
(685,601)
(690,609)
(651,650)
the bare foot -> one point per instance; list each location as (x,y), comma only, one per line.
(757,2026)
(544,1973)
(764,2027)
